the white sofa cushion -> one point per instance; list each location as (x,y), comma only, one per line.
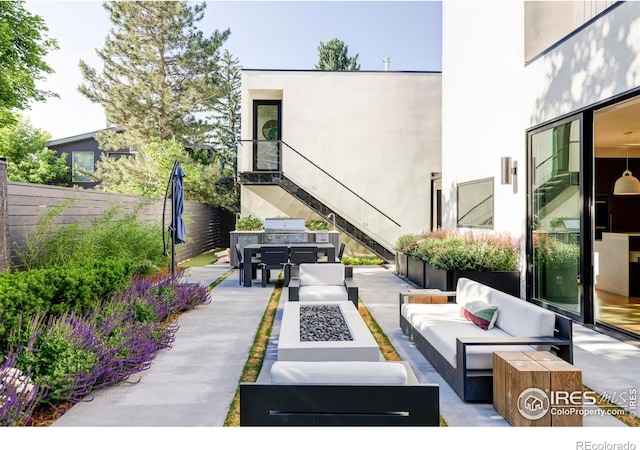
(322,294)
(468,291)
(442,336)
(521,318)
(423,314)
(321,274)
(338,372)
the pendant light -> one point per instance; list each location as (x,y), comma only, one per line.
(627,184)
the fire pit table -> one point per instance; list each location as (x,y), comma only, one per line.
(325,331)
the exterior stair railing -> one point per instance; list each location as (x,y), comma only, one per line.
(369,239)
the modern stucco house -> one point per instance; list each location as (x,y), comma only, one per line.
(362,145)
(534,117)
(555,87)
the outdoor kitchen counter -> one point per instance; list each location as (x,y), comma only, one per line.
(253,249)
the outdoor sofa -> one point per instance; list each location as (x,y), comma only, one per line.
(339,393)
(450,335)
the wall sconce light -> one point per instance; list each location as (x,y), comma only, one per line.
(509,172)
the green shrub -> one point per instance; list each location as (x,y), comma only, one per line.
(352,261)
(249,223)
(60,356)
(554,254)
(455,250)
(76,287)
(316,225)
(113,235)
(407,243)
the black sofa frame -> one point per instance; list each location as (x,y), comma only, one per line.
(339,405)
(477,385)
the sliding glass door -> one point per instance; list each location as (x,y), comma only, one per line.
(556,219)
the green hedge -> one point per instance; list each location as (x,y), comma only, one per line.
(69,288)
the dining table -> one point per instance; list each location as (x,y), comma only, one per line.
(252,250)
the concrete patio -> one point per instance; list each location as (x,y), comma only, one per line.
(193,383)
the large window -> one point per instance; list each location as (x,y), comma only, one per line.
(555,222)
(475,204)
(83,165)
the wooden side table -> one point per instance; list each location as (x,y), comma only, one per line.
(523,373)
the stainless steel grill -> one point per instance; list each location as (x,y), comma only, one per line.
(284,231)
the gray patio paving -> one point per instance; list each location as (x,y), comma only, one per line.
(193,383)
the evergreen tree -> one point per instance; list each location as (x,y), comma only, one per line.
(23,46)
(227,119)
(227,111)
(28,160)
(160,74)
(334,56)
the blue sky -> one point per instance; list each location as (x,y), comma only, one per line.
(264,35)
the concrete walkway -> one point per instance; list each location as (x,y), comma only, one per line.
(193,383)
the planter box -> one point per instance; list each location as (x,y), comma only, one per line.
(447,280)
(401,264)
(428,277)
(415,271)
(561,285)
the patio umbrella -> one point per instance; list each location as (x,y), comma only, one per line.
(177,223)
(177,230)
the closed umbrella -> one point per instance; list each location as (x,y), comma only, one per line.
(177,223)
(177,230)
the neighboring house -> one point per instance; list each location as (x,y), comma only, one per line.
(83,153)
(550,90)
(365,146)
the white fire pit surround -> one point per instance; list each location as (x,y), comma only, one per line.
(363,346)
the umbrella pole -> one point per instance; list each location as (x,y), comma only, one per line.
(173,229)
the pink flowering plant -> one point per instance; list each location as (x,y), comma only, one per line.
(463,250)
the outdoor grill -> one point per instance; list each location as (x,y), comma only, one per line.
(284,231)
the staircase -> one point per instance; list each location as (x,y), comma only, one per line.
(279,179)
(554,186)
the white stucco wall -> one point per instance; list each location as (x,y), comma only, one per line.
(484,112)
(378,133)
(599,62)
(490,98)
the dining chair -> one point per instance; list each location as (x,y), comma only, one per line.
(254,264)
(297,256)
(272,258)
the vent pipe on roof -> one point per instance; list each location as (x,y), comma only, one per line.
(387,63)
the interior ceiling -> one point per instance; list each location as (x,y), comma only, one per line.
(611,123)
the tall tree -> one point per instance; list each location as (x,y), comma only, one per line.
(160,74)
(334,56)
(28,160)
(147,173)
(226,111)
(23,46)
(226,116)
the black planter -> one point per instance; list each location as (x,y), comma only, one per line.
(561,285)
(401,264)
(415,271)
(447,280)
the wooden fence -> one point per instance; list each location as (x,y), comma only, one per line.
(5,262)
(27,203)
